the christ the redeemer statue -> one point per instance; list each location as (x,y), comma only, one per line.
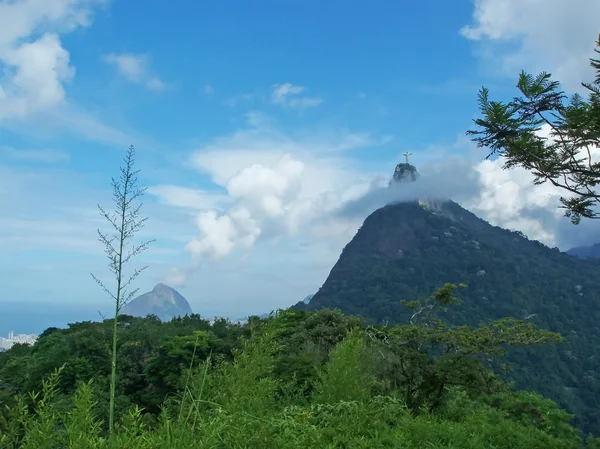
(407,155)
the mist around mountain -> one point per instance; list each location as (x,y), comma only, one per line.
(404,251)
(586,252)
(331,379)
(163,301)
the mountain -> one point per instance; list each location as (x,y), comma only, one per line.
(405,251)
(405,173)
(163,301)
(265,315)
(585,252)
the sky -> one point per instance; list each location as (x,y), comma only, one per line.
(264,132)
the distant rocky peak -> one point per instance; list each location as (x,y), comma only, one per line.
(405,172)
(162,287)
(163,301)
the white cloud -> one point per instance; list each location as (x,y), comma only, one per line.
(135,68)
(279,196)
(285,202)
(187,198)
(36,68)
(35,84)
(505,198)
(208,89)
(506,195)
(509,198)
(296,191)
(241,98)
(288,95)
(553,35)
(278,187)
(34,155)
(35,64)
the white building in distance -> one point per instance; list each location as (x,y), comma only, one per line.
(7,343)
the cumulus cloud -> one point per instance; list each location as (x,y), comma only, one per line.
(35,64)
(279,196)
(554,35)
(36,69)
(270,186)
(289,95)
(135,68)
(287,188)
(506,198)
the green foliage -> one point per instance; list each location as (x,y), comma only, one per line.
(174,355)
(425,359)
(564,157)
(235,404)
(344,378)
(141,362)
(522,279)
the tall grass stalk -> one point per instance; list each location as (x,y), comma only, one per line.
(125,222)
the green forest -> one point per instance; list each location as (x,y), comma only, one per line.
(507,275)
(294,380)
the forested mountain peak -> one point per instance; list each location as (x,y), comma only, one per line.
(406,250)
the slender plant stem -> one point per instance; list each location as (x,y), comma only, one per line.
(125,222)
(113,375)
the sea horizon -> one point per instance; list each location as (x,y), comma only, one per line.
(31,317)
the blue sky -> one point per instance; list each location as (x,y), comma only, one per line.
(255,123)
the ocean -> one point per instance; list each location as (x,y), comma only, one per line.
(34,318)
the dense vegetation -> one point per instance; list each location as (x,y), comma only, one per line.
(406,250)
(294,380)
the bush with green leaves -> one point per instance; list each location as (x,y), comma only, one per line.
(243,402)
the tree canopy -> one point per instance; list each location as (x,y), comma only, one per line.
(296,379)
(555,138)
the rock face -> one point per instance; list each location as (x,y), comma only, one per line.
(163,301)
(405,251)
(405,173)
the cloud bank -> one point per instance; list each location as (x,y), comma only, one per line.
(35,63)
(135,68)
(553,35)
(271,186)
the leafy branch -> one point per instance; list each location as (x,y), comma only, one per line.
(564,157)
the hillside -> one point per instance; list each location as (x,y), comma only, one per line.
(405,251)
(585,252)
(322,384)
(163,301)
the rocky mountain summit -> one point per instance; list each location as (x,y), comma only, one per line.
(163,301)
(406,250)
(404,172)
